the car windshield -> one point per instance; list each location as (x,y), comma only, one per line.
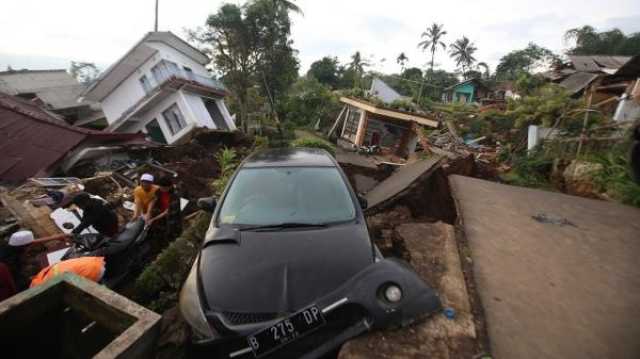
(276,195)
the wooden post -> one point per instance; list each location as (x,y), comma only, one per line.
(583,133)
(362,128)
(337,123)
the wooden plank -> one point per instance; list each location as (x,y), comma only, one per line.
(390,113)
(337,123)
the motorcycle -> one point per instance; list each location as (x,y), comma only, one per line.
(124,253)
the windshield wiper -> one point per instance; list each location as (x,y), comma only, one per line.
(281,226)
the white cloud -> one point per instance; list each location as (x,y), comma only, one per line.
(36,31)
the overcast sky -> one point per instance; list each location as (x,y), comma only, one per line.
(40,34)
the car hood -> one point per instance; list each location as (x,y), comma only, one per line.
(280,271)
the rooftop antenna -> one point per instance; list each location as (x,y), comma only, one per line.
(155,28)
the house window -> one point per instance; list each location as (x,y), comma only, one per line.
(216,115)
(351,124)
(174,119)
(146,84)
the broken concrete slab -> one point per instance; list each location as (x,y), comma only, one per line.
(355,159)
(434,256)
(551,290)
(400,181)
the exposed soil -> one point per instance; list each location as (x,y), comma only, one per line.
(428,200)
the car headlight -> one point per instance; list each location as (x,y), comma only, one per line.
(392,293)
(191,308)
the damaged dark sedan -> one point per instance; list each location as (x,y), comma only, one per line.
(287,268)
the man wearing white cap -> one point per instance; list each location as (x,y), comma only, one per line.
(143,195)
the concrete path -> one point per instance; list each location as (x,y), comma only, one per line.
(565,289)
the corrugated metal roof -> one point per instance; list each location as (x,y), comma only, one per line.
(630,68)
(578,81)
(32,141)
(595,63)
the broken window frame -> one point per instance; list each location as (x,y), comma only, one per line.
(174,119)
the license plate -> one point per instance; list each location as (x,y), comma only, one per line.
(285,331)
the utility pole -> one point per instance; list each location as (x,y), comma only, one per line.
(155,28)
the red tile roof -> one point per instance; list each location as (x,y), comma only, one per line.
(33,141)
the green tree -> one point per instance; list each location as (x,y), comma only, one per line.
(358,65)
(233,47)
(85,72)
(513,64)
(251,46)
(325,71)
(462,51)
(589,41)
(402,61)
(310,101)
(277,64)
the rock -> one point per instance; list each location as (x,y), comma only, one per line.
(579,178)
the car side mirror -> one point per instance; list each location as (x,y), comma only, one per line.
(363,202)
(207,204)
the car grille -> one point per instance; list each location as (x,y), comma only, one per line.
(239,318)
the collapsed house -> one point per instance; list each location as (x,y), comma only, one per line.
(611,84)
(365,123)
(33,142)
(161,88)
(55,90)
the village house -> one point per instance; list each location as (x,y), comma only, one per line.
(54,90)
(469,91)
(161,88)
(367,124)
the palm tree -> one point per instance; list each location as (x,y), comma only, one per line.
(462,52)
(402,60)
(433,37)
(357,65)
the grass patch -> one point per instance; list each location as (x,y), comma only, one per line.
(312,142)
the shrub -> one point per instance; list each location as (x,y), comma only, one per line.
(616,177)
(227,162)
(311,142)
(530,170)
(158,285)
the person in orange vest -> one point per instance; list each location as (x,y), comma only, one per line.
(91,268)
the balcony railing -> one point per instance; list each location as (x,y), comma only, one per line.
(166,72)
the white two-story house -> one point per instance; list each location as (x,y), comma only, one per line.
(162,88)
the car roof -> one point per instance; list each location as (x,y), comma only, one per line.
(290,157)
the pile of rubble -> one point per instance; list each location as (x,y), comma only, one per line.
(41,205)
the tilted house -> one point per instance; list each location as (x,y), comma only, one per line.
(162,88)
